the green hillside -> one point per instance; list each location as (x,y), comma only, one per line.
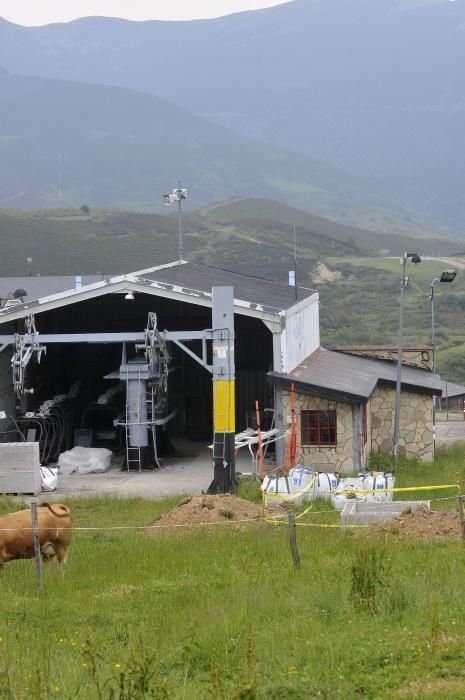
(359,293)
(69,241)
(246,235)
(362,306)
(263,214)
(66,144)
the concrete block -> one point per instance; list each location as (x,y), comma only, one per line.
(367,512)
(20,467)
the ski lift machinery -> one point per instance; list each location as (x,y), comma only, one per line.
(146,375)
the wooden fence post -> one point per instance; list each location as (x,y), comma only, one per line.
(293,538)
(461,514)
(35,537)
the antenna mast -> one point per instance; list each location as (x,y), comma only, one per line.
(295,262)
(177,195)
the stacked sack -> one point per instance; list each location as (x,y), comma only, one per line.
(301,484)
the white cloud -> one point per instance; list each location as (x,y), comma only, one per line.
(36,12)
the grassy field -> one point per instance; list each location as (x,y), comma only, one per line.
(221,613)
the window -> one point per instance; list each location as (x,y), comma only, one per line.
(318,428)
(365,423)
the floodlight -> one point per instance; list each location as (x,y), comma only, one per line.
(448,275)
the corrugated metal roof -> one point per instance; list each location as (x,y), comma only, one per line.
(354,377)
(254,290)
(452,390)
(190,281)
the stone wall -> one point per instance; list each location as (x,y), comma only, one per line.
(416,422)
(416,428)
(340,457)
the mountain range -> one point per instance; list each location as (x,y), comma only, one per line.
(373,87)
(67,144)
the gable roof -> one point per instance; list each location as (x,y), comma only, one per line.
(183,281)
(254,290)
(353,377)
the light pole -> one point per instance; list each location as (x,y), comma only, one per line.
(415,258)
(177,195)
(448,275)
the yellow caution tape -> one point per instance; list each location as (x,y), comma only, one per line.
(297,494)
(306,511)
(406,488)
(284,522)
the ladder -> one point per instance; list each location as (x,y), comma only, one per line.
(133,453)
(219,439)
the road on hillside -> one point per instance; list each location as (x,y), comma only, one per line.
(450,261)
(448,432)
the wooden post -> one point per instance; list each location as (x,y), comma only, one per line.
(461,515)
(293,538)
(35,536)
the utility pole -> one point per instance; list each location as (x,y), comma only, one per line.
(60,178)
(415,258)
(399,364)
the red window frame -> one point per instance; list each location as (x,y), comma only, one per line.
(318,428)
(365,423)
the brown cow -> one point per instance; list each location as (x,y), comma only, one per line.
(55,532)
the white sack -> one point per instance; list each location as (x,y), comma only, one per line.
(85,460)
(340,498)
(375,483)
(49,478)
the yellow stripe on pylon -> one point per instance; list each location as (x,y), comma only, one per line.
(224,406)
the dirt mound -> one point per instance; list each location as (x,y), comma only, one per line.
(223,508)
(422,524)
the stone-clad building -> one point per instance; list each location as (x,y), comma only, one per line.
(345,406)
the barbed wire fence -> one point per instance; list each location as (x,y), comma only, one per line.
(286,517)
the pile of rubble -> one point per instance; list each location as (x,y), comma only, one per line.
(224,508)
(422,524)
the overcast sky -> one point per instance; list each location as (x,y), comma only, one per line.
(33,12)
